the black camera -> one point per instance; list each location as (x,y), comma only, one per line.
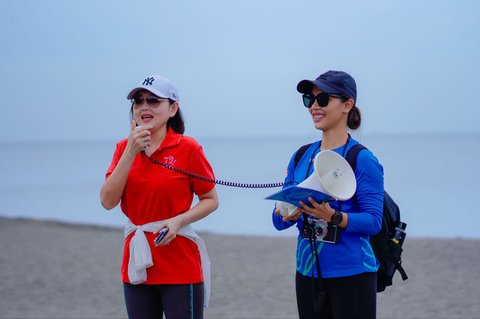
(320,230)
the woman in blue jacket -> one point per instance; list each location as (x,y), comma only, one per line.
(346,286)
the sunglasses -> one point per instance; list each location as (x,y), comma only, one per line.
(151,100)
(322,99)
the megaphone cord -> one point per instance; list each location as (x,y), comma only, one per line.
(216,181)
(226,183)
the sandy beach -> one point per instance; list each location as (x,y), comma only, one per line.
(58,270)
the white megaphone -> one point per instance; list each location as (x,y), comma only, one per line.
(332,176)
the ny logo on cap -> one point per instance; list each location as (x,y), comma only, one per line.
(148,81)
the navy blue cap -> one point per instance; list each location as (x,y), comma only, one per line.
(332,82)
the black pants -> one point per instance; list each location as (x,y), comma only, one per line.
(176,301)
(344,297)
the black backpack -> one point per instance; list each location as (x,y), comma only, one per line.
(387,244)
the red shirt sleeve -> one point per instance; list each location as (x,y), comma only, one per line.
(116,157)
(200,166)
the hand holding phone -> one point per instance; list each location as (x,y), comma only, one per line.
(161,235)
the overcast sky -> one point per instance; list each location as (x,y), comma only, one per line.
(66,66)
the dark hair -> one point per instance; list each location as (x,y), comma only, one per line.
(354,118)
(176,122)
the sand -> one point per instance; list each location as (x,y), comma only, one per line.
(58,270)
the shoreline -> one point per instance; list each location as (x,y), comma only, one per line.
(86,225)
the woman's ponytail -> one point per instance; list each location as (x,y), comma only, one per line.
(354,118)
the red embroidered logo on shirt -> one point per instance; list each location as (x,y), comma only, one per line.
(169,160)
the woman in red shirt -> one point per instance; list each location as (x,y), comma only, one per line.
(172,275)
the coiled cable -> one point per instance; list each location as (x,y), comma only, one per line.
(215,181)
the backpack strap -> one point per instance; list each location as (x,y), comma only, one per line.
(401,271)
(352,155)
(300,152)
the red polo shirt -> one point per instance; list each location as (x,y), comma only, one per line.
(154,193)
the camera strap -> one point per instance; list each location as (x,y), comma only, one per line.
(318,294)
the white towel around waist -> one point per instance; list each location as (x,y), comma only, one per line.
(141,256)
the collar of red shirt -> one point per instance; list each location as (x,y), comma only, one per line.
(171,139)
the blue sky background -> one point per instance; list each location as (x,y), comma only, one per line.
(66,66)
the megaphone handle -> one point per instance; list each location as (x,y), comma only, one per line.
(327,201)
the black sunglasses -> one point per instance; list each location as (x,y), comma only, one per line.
(322,99)
(151,100)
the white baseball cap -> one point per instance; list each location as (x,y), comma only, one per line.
(158,85)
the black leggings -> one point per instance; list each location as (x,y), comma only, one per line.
(176,301)
(344,297)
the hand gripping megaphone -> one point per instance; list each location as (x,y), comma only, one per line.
(332,177)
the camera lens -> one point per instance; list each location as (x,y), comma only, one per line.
(321,229)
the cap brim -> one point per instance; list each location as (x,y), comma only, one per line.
(305,86)
(134,91)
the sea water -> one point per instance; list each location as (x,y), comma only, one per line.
(434,178)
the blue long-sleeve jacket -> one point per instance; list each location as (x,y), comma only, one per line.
(352,254)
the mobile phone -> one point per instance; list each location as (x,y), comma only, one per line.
(161,235)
